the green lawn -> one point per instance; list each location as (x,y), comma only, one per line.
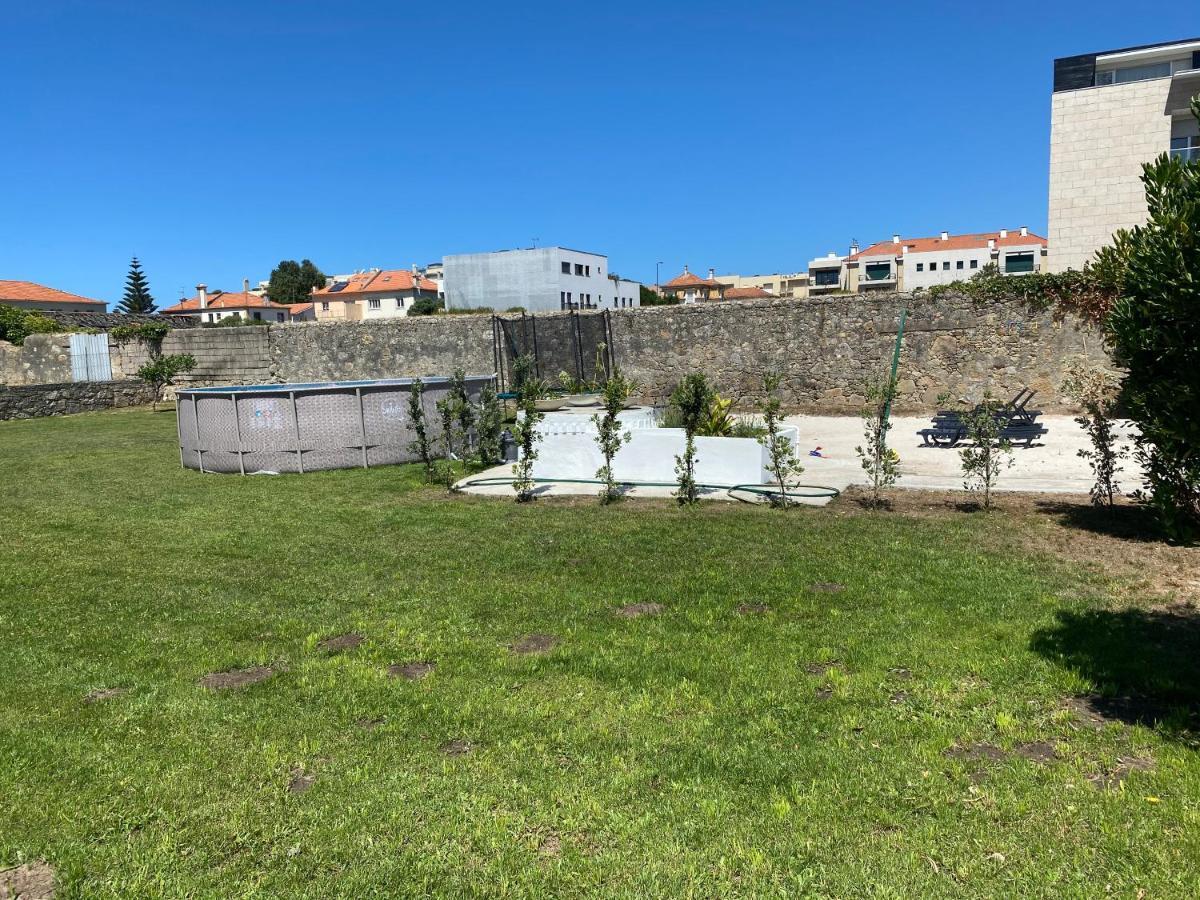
(691,753)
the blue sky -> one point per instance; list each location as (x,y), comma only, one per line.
(215,138)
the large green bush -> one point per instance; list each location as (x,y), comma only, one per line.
(17,324)
(1155,334)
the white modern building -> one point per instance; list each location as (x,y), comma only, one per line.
(1110,113)
(538,280)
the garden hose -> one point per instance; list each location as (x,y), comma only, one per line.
(810,491)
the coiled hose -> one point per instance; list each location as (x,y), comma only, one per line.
(801,491)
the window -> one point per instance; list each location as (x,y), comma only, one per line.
(974,264)
(324,306)
(587,270)
(1135,73)
(566,268)
(578,268)
(879,271)
(373,303)
(959,264)
(1186,148)
(399,303)
(1018,262)
(278,317)
(258,317)
(920,267)
(946,266)
(827,277)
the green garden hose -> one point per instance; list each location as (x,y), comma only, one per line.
(810,491)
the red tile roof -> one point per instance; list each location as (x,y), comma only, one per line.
(28,292)
(223,300)
(954,242)
(747,293)
(690,279)
(300,308)
(384,281)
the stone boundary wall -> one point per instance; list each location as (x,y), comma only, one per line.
(223,355)
(41,359)
(33,401)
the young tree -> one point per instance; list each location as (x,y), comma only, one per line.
(137,297)
(1096,389)
(416,415)
(782,461)
(609,437)
(490,422)
(448,411)
(879,461)
(161,372)
(464,410)
(989,454)
(526,433)
(1155,334)
(692,398)
(294,282)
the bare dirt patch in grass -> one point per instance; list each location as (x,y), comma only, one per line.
(900,674)
(533,643)
(101,694)
(637,610)
(1037,751)
(753,609)
(1112,779)
(341,643)
(820,668)
(898,697)
(981,752)
(370,723)
(236,678)
(1095,711)
(826,587)
(32,881)
(301,781)
(823,693)
(410,671)
(457,747)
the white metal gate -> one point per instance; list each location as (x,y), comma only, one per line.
(89,358)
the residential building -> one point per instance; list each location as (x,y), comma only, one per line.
(373,294)
(436,273)
(793,285)
(828,275)
(1111,112)
(910,264)
(749,293)
(210,307)
(27,295)
(539,279)
(690,288)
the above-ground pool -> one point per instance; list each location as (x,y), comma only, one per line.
(304,427)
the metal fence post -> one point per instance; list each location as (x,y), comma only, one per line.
(296,424)
(362,426)
(237,430)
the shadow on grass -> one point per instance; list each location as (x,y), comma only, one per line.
(1146,663)
(1128,522)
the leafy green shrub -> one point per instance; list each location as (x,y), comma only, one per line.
(988,454)
(609,437)
(416,416)
(747,428)
(1097,390)
(490,421)
(146,331)
(718,420)
(879,461)
(17,324)
(526,433)
(1155,334)
(161,372)
(782,463)
(425,306)
(692,398)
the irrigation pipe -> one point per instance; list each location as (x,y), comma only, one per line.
(801,491)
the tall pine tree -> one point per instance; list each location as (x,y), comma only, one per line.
(137,297)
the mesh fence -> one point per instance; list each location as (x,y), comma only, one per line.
(574,343)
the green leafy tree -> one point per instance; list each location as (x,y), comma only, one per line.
(416,417)
(137,299)
(989,454)
(425,306)
(464,410)
(526,433)
(161,371)
(1097,389)
(294,282)
(692,398)
(491,420)
(448,413)
(879,461)
(609,436)
(1154,331)
(17,324)
(782,461)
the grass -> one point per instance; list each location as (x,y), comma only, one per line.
(687,754)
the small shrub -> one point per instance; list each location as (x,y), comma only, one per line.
(425,306)
(490,421)
(879,461)
(989,454)
(416,415)
(1097,389)
(783,464)
(146,331)
(161,371)
(718,420)
(609,436)
(526,433)
(17,324)
(692,397)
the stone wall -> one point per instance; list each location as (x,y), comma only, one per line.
(33,401)
(223,355)
(41,359)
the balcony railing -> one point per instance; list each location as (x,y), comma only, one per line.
(1187,154)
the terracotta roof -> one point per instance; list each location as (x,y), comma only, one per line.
(300,308)
(747,293)
(690,279)
(954,242)
(223,300)
(36,293)
(384,281)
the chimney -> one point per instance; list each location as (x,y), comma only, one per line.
(203,289)
(1003,233)
(685,269)
(1024,231)
(245,285)
(991,243)
(904,249)
(895,238)
(712,274)
(945,235)
(853,248)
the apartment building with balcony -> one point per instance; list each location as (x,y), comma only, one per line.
(1111,112)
